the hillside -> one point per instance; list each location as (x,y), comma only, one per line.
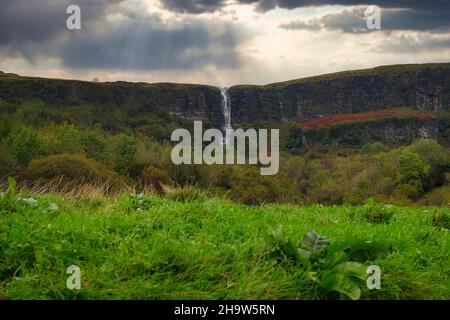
(391,126)
(424,87)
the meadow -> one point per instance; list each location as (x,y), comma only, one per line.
(188,245)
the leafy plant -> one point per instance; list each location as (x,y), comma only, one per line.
(377,213)
(136,201)
(332,270)
(312,245)
(281,246)
(442,219)
(10,201)
(186,194)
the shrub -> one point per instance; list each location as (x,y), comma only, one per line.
(435,156)
(8,164)
(442,219)
(189,174)
(154,178)
(186,194)
(130,202)
(125,153)
(65,139)
(255,195)
(95,146)
(407,191)
(438,197)
(70,168)
(249,187)
(377,213)
(412,170)
(26,145)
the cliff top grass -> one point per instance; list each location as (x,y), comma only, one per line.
(15,77)
(380,71)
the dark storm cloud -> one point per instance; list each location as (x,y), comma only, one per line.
(396,15)
(265,5)
(37,28)
(41,20)
(420,15)
(200,6)
(153,47)
(193,6)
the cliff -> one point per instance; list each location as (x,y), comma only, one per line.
(189,101)
(424,87)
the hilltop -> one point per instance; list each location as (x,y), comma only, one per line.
(156,109)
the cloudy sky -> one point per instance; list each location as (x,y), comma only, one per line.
(220,42)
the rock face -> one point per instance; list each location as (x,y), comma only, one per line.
(185,100)
(396,131)
(424,87)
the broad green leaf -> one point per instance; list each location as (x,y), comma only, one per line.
(304,253)
(335,259)
(352,269)
(342,284)
(29,201)
(314,243)
(51,207)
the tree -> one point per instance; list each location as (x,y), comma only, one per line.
(125,153)
(411,170)
(26,145)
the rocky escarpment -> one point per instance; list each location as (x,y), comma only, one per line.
(184,100)
(390,131)
(425,87)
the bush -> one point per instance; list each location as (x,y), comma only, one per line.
(407,191)
(26,145)
(186,194)
(412,170)
(154,178)
(442,219)
(95,146)
(438,197)
(70,168)
(64,139)
(377,213)
(125,152)
(8,164)
(249,187)
(435,156)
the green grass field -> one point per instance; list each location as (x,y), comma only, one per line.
(155,248)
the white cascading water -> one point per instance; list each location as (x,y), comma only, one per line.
(226,109)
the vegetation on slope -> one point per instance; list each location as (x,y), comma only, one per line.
(328,121)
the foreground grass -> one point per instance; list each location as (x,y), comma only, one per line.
(207,249)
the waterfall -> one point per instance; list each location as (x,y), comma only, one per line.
(226,108)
